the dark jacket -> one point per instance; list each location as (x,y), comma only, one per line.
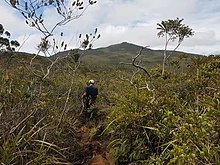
(91,91)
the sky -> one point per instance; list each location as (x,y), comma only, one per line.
(133,21)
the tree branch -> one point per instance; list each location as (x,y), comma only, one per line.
(139,67)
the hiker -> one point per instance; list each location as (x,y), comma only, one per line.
(89,96)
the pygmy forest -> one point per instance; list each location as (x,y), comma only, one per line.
(165,119)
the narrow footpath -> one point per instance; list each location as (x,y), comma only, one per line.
(93,147)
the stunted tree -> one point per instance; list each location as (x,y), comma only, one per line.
(33,12)
(173,30)
(5,43)
(67,10)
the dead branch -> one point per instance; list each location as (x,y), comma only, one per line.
(65,106)
(139,68)
(49,67)
(132,77)
(24,120)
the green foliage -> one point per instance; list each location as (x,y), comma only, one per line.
(32,11)
(5,43)
(87,42)
(178,123)
(211,69)
(179,126)
(173,30)
(30,111)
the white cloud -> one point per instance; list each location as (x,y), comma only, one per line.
(129,20)
(29,42)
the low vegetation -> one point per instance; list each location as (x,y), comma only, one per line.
(176,123)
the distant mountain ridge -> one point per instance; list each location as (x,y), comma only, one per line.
(123,47)
(110,55)
(131,48)
(123,52)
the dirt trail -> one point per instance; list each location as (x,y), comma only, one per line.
(93,146)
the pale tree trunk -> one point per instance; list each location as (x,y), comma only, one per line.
(164,56)
(164,61)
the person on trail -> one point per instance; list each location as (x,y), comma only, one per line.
(90,94)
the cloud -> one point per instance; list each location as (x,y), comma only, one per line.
(29,42)
(129,20)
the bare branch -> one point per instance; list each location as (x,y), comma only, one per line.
(49,67)
(65,106)
(139,68)
(23,42)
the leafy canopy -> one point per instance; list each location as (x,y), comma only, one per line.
(174,29)
(5,43)
(32,11)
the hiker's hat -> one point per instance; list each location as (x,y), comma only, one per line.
(91,81)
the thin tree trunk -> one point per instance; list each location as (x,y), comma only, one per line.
(164,56)
(164,61)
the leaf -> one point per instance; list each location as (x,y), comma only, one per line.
(15,43)
(7,34)
(1,29)
(62,44)
(151,128)
(24,15)
(65,46)
(50,2)
(96,30)
(58,10)
(87,36)
(32,14)
(92,2)
(40,17)
(26,6)
(90,46)
(13,3)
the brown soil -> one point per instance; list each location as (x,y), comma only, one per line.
(93,148)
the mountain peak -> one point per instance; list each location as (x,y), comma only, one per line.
(124,47)
(125,44)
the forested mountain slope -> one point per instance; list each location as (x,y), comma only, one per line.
(123,52)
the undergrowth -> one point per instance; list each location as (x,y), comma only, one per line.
(177,123)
